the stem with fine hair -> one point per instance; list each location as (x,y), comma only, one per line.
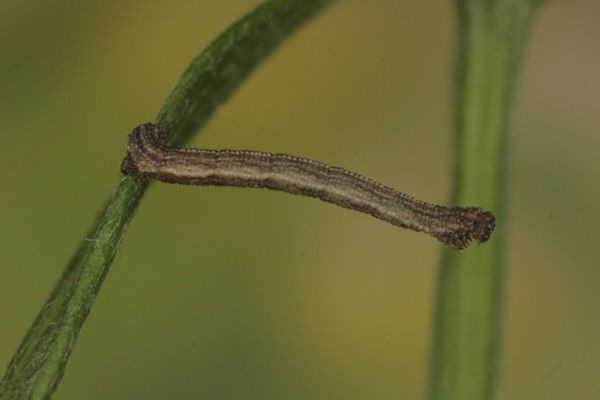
(39,363)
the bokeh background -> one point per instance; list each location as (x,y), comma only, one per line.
(227,293)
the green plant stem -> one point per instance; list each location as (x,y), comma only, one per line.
(38,365)
(468,323)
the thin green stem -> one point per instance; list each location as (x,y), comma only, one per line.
(38,365)
(468,325)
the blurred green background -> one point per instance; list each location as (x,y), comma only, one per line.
(227,293)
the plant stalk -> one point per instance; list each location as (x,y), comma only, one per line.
(468,323)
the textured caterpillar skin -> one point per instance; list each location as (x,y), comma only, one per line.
(150,157)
